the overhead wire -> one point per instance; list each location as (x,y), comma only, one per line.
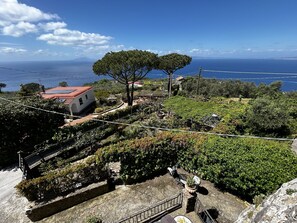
(249,72)
(149,127)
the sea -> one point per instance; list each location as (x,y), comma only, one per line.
(77,73)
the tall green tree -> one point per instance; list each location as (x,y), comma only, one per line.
(2,85)
(170,63)
(126,67)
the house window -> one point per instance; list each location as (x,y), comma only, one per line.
(86,97)
(80,101)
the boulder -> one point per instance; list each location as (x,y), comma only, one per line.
(278,207)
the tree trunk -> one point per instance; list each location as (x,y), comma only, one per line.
(169,84)
(128,95)
(132,94)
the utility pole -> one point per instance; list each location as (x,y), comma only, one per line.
(198,82)
(170,84)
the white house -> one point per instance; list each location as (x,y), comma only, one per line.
(137,84)
(76,98)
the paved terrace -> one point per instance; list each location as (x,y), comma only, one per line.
(118,204)
(122,202)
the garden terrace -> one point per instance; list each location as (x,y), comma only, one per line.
(76,142)
(245,167)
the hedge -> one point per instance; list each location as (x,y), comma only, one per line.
(245,167)
(149,156)
(64,181)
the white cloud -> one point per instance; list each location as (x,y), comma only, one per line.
(11,11)
(52,26)
(19,29)
(155,51)
(9,44)
(18,19)
(66,37)
(197,50)
(101,49)
(7,50)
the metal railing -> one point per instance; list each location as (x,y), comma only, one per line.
(202,213)
(155,210)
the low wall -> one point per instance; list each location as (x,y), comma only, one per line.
(41,211)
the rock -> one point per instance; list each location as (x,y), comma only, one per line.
(278,207)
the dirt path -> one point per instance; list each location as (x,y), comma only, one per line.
(91,116)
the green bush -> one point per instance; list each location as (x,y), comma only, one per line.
(197,110)
(245,167)
(146,157)
(94,219)
(63,181)
(22,127)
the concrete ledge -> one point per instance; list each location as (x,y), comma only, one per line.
(40,211)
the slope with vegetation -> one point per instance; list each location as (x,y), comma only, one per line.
(244,166)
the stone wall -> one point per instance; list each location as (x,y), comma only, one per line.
(41,211)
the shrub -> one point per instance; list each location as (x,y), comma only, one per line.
(94,219)
(146,157)
(245,167)
(63,181)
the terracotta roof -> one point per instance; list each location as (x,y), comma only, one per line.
(64,92)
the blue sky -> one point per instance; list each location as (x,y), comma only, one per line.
(64,29)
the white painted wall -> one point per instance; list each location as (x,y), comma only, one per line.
(77,108)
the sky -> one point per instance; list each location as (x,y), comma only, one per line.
(69,29)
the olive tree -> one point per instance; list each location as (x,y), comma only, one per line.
(170,63)
(126,67)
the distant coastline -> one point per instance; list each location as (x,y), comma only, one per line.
(79,72)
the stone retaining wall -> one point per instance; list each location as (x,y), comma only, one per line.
(41,211)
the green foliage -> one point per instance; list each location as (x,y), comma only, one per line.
(94,219)
(290,191)
(79,141)
(218,88)
(29,89)
(125,67)
(63,181)
(2,85)
(146,157)
(229,111)
(272,91)
(245,167)
(170,63)
(190,181)
(22,127)
(63,84)
(266,117)
(258,199)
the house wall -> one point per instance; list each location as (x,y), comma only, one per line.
(86,101)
